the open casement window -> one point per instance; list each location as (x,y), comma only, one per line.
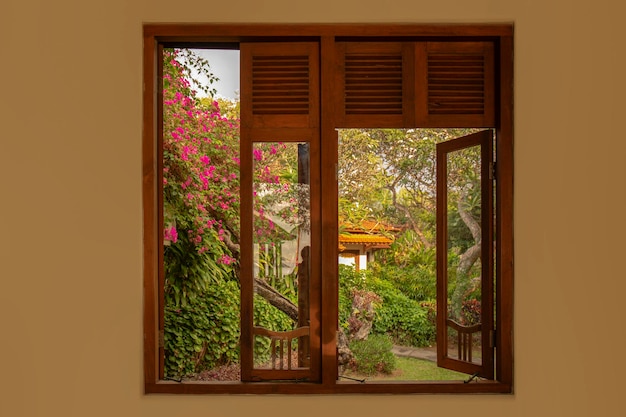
(465,187)
(301,85)
(280,128)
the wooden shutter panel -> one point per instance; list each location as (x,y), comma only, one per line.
(455,85)
(280,103)
(376,84)
(415,84)
(280,83)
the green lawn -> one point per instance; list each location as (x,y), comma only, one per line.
(410,369)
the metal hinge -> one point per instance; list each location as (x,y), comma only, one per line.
(161,339)
(492,338)
(492,170)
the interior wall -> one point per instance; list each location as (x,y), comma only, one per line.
(71,217)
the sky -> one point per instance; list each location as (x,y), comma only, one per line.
(225,65)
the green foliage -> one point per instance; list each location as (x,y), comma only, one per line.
(349,279)
(385,174)
(189,274)
(373,355)
(202,333)
(200,207)
(192,64)
(410,266)
(397,315)
(402,318)
(201,201)
(470,312)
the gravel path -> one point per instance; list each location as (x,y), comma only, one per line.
(429,353)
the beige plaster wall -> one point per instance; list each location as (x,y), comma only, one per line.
(70,207)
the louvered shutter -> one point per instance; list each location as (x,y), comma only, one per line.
(455,84)
(376,84)
(415,84)
(280,84)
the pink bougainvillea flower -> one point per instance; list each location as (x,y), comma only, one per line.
(226,260)
(170,234)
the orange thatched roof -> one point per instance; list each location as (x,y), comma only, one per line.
(368,226)
(367,233)
(364,239)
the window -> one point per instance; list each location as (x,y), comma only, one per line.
(276,215)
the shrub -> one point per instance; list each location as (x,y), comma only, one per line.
(373,355)
(470,312)
(409,266)
(404,319)
(204,332)
(349,280)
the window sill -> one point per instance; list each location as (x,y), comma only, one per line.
(348,387)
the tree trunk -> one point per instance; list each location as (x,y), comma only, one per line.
(276,299)
(466,260)
(269,293)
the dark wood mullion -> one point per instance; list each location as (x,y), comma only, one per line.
(486,253)
(150,215)
(237,32)
(315,287)
(246,275)
(504,213)
(442,256)
(159,237)
(330,97)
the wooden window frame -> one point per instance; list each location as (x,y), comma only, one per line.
(156,36)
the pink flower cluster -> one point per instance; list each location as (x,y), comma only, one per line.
(170,234)
(227,260)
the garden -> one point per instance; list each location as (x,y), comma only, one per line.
(386,177)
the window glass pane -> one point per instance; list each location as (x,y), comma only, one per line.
(281,249)
(464,254)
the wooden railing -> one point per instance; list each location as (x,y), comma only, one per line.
(281,345)
(464,338)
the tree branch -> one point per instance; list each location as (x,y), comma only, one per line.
(276,299)
(467,218)
(407,212)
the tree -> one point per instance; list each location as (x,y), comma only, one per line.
(389,175)
(201,218)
